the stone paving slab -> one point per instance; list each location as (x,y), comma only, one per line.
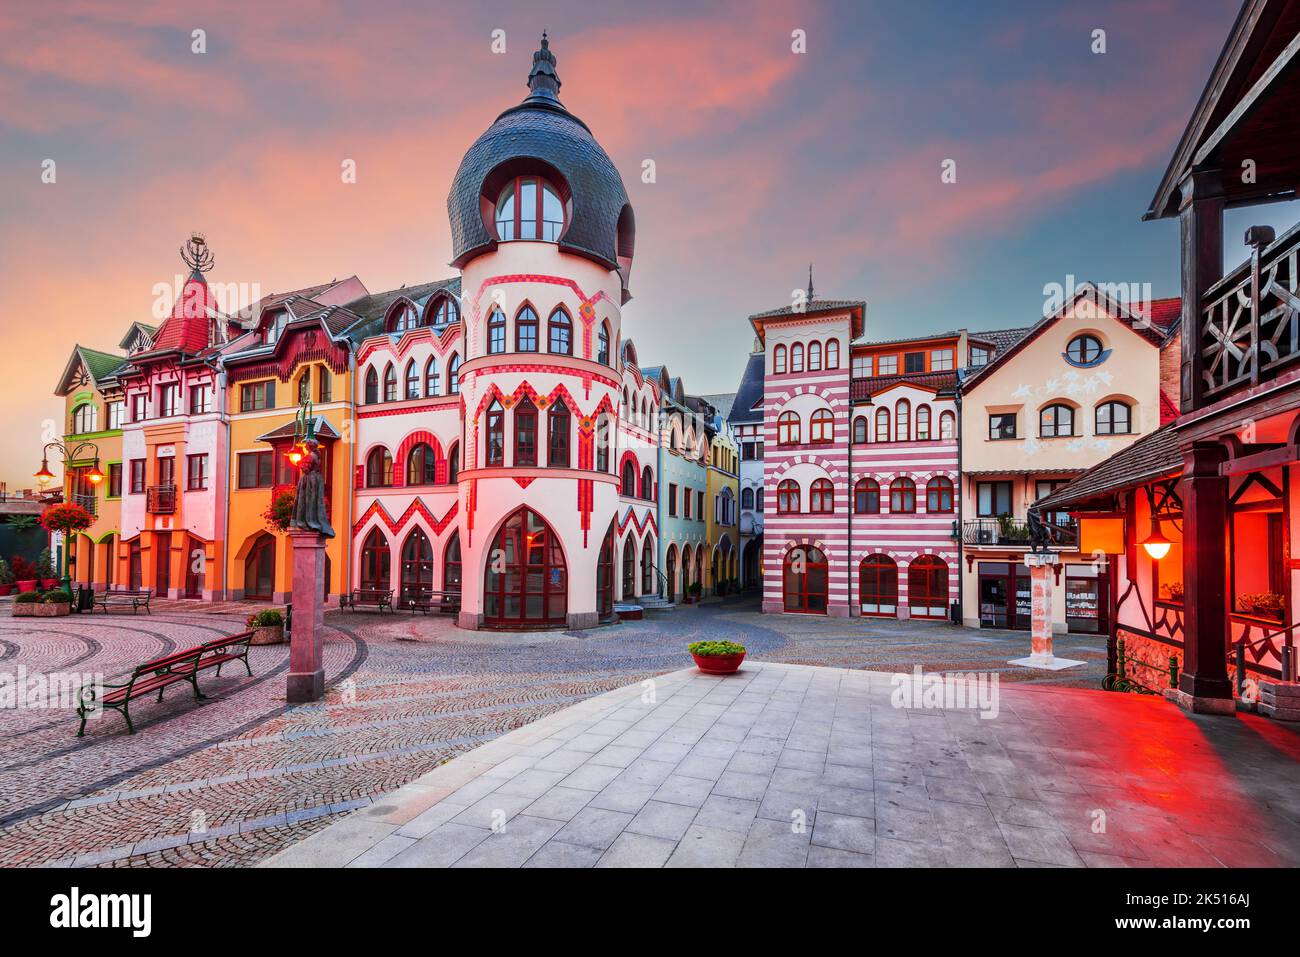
(797,766)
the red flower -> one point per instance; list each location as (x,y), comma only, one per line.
(67,518)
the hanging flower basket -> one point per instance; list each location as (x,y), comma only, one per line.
(279,513)
(67,518)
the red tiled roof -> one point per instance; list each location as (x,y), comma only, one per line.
(1165,312)
(1151,457)
(1168,408)
(187,328)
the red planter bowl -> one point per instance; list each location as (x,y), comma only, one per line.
(27,585)
(48,583)
(6,589)
(718,664)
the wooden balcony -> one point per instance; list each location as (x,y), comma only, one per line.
(160,499)
(1249,328)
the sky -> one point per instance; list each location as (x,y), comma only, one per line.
(765,159)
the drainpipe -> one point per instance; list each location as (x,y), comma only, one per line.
(848,565)
(345,586)
(223,412)
(961,505)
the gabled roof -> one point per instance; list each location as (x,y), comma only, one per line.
(722,402)
(750,391)
(334,320)
(940,383)
(814,307)
(138,331)
(100,366)
(1250,97)
(250,315)
(1117,312)
(373,308)
(999,339)
(322,429)
(1151,457)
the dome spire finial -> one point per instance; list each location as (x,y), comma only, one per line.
(810,283)
(543,81)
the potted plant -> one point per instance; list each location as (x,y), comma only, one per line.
(69,519)
(6,577)
(45,570)
(694,591)
(1172,592)
(717,657)
(34,604)
(279,513)
(267,626)
(24,574)
(1263,604)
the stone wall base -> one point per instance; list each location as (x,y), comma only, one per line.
(1199,704)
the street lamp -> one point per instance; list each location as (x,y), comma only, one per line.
(1156,545)
(80,451)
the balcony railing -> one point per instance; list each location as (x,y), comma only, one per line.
(86,500)
(1250,320)
(160,499)
(1009,533)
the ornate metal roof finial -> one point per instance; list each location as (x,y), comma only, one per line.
(542,78)
(196,254)
(810,283)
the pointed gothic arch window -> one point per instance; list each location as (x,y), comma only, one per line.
(557,435)
(496,329)
(431,377)
(559,332)
(525,433)
(526,325)
(372,386)
(390,383)
(495,450)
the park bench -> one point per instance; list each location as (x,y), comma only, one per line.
(367,598)
(424,602)
(121,598)
(158,674)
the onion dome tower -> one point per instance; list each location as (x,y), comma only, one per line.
(543,234)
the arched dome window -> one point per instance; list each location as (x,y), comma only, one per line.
(602,344)
(390,383)
(445,311)
(453,375)
(421,465)
(526,330)
(529,208)
(496,332)
(372,386)
(560,330)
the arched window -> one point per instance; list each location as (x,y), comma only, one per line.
(903,421)
(787,428)
(923,423)
(560,333)
(376,562)
(453,375)
(602,344)
(496,435)
(747,498)
(927,587)
(259,569)
(647,484)
(529,208)
(938,494)
(431,377)
(372,386)
(446,311)
(860,429)
(1083,350)
(496,329)
(1056,421)
(529,585)
(822,426)
(882,425)
(648,566)
(1114,418)
(670,572)
(866,497)
(805,579)
(453,463)
(605,576)
(405,319)
(814,356)
(390,383)
(947,426)
(412,380)
(832,354)
(602,444)
(324,388)
(526,330)
(796,357)
(525,433)
(902,495)
(417,567)
(379,468)
(451,564)
(557,435)
(629,567)
(627,410)
(878,586)
(421,466)
(629,479)
(821,496)
(778,360)
(787,496)
(84,418)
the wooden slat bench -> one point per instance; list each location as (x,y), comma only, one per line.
(367,598)
(121,598)
(158,674)
(444,601)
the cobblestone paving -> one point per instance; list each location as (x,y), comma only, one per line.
(237,777)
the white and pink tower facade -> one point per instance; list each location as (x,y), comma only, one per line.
(542,234)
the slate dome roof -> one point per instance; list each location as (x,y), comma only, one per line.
(540,132)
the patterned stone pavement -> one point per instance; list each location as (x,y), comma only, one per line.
(237,777)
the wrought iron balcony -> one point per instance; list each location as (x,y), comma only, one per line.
(1249,330)
(1009,533)
(160,499)
(86,500)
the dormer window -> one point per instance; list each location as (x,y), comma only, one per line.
(406,319)
(446,312)
(529,208)
(276,326)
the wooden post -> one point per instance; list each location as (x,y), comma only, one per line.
(1200,218)
(1204,685)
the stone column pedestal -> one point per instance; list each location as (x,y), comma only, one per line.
(1040,636)
(306,680)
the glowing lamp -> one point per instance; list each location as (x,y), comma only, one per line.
(44,475)
(1156,545)
(95,475)
(295,455)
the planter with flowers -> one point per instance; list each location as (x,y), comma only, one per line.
(33,604)
(279,513)
(68,519)
(1261,605)
(717,657)
(6,578)
(267,627)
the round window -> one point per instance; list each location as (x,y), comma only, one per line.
(1084,350)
